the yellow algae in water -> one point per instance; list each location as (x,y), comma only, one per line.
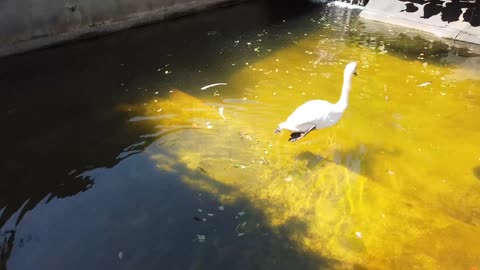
(396,169)
(409,133)
(178,109)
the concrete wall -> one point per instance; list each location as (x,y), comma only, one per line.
(31,24)
(458,20)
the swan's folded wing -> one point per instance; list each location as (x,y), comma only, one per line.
(310,112)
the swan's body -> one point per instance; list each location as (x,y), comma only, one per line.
(318,114)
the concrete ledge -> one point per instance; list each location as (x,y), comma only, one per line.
(394,12)
(19,36)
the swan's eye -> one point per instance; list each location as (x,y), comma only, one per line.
(355,73)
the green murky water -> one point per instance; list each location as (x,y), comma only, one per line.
(395,185)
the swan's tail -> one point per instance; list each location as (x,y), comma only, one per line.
(280,127)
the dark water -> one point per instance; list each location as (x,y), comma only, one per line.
(78,189)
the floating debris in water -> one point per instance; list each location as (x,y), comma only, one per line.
(241,213)
(239,166)
(391,172)
(220,111)
(221,208)
(168,72)
(245,135)
(201,238)
(425,84)
(212,85)
(263,161)
(288,179)
(210,215)
(120,255)
(242,227)
(199,210)
(358,234)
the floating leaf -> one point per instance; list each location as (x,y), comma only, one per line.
(201,238)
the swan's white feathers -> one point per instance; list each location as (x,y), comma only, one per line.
(318,113)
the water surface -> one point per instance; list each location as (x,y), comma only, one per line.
(115,157)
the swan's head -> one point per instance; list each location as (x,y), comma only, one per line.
(350,70)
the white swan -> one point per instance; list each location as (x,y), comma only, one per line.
(318,114)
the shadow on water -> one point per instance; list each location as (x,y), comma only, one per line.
(399,41)
(413,45)
(476,172)
(286,9)
(313,161)
(155,224)
(360,160)
(235,242)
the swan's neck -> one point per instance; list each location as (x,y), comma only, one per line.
(347,84)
